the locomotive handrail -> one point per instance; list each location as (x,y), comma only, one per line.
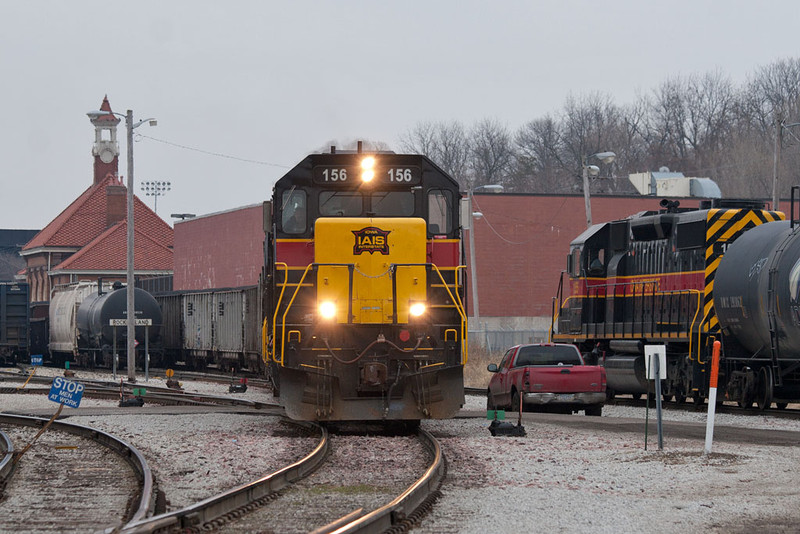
(288,307)
(459,305)
(692,325)
(464,326)
(457,300)
(459,308)
(311,266)
(277,308)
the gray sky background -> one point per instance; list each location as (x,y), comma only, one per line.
(273,81)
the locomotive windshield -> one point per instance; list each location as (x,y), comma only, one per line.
(355,203)
(341,203)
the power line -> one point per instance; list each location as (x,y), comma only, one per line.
(217,154)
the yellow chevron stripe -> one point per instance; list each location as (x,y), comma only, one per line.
(725,229)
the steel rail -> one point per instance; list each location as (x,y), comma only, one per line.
(6,463)
(206,511)
(155,394)
(126,451)
(402,512)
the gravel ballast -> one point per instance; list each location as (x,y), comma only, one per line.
(558,478)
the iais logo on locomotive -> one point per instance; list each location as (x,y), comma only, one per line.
(371,239)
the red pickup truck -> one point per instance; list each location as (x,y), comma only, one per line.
(547,377)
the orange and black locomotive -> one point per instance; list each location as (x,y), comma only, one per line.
(684,278)
(364,289)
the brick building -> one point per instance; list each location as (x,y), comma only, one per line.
(522,243)
(224,249)
(89,238)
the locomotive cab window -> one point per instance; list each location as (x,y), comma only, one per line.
(596,261)
(440,220)
(294,212)
(341,203)
(392,203)
(574,263)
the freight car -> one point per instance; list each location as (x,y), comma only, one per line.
(87,325)
(364,281)
(684,278)
(14,320)
(219,327)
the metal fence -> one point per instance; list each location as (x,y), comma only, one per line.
(496,340)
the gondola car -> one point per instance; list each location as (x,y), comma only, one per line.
(684,278)
(364,280)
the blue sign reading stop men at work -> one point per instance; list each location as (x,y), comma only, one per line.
(66,392)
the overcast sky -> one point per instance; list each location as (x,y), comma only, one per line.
(273,81)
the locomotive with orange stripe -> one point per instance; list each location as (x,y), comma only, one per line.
(364,278)
(683,278)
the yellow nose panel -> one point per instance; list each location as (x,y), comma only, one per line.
(372,246)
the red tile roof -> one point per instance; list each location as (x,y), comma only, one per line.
(80,222)
(108,252)
(85,218)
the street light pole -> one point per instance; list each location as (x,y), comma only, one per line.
(131,311)
(472,264)
(776,157)
(473,269)
(603,157)
(586,200)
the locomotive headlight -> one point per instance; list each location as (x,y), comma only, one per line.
(327,309)
(417,309)
(368,169)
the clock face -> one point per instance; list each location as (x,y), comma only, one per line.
(107,156)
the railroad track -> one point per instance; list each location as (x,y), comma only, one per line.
(306,498)
(104,482)
(102,389)
(222,508)
(357,490)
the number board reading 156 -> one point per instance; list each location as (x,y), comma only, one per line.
(352,175)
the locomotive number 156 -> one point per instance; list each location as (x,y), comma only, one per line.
(330,175)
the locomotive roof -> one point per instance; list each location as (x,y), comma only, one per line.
(665,218)
(301,174)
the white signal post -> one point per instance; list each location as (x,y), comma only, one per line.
(712,397)
(656,369)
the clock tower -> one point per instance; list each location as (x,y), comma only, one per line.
(105,149)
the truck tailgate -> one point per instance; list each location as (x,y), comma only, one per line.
(564,379)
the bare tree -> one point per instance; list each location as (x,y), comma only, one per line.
(699,124)
(538,167)
(774,93)
(588,125)
(491,152)
(445,143)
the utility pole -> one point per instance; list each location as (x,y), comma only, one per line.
(776,160)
